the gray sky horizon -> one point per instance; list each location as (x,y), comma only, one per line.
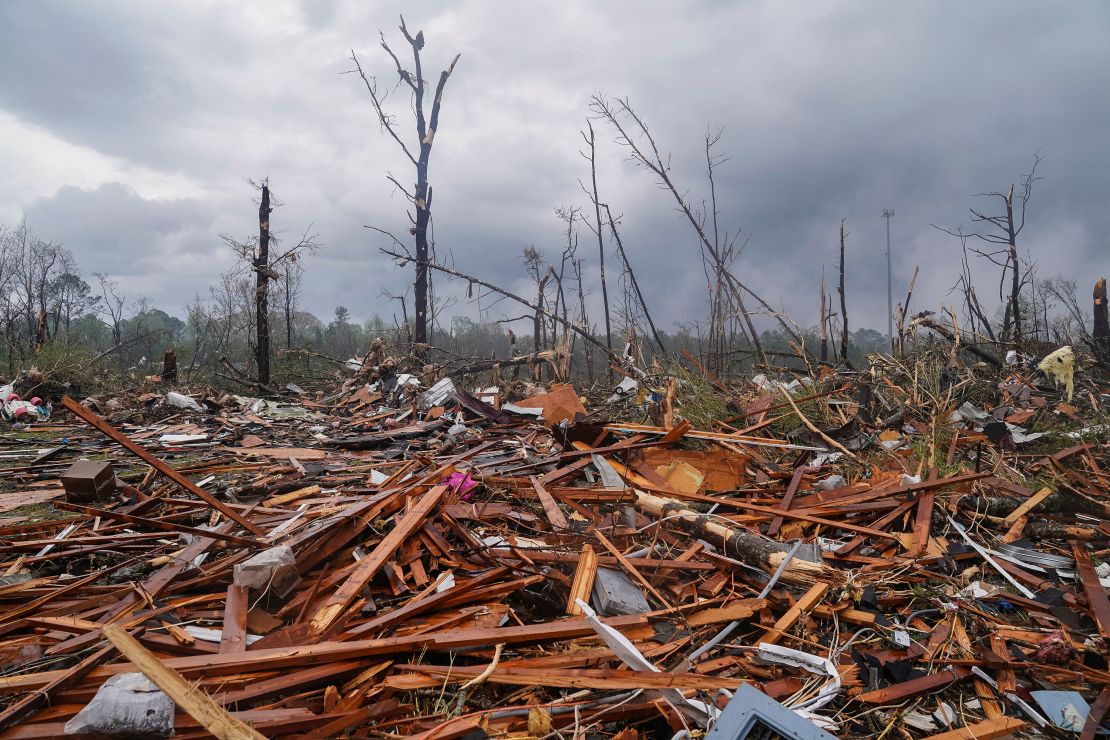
(129,131)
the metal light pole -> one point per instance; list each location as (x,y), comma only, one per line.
(887,213)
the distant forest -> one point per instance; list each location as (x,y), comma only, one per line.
(59,320)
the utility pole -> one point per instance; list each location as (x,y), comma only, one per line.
(887,213)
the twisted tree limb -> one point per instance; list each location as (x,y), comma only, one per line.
(406,258)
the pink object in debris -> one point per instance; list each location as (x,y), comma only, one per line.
(460,484)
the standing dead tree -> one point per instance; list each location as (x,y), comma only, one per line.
(644,151)
(1101,335)
(598,230)
(843,303)
(540,273)
(632,279)
(1000,232)
(263,273)
(426,127)
(823,319)
(266,265)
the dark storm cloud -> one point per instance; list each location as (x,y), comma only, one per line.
(829,110)
(159,249)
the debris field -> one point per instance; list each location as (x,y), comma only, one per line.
(905,552)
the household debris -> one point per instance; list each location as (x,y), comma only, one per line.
(402,557)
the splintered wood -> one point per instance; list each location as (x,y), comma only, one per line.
(372,563)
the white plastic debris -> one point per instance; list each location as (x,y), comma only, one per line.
(207,634)
(275,568)
(635,660)
(762,382)
(919,721)
(126,705)
(832,482)
(181,401)
(179,439)
(779,655)
(438,394)
(946,714)
(825,458)
(627,387)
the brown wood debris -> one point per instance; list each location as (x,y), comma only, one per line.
(404,570)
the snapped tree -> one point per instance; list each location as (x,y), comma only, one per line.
(266,265)
(421,193)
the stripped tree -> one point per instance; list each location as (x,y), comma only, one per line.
(1101,333)
(843,304)
(420,195)
(633,134)
(265,265)
(999,232)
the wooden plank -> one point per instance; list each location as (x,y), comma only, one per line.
(234,636)
(281,453)
(369,566)
(735,611)
(986,730)
(809,600)
(582,678)
(1094,717)
(265,659)
(423,604)
(121,439)
(583,582)
(157,524)
(992,707)
(787,499)
(630,567)
(851,616)
(884,521)
(922,523)
(898,692)
(550,506)
(1027,505)
(1096,594)
(195,702)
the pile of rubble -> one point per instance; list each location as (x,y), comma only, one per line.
(898,551)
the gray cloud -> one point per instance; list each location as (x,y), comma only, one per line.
(831,110)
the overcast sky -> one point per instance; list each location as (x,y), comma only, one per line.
(129,130)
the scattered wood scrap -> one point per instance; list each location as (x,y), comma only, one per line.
(423,569)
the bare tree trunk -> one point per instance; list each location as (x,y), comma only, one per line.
(589,351)
(843,304)
(904,311)
(426,133)
(262,290)
(1101,333)
(1015,283)
(426,130)
(169,366)
(635,284)
(288,311)
(822,327)
(654,162)
(600,241)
